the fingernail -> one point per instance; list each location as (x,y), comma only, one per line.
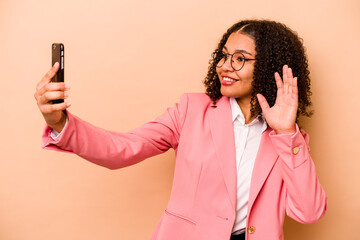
(68,104)
(67,87)
(66,95)
(56,64)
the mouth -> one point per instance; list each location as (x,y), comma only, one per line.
(228,81)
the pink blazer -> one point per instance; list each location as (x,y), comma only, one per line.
(203,196)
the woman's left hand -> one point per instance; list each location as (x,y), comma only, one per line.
(282,116)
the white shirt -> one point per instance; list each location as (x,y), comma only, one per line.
(247,141)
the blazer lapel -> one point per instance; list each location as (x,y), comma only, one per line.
(223,137)
(264,162)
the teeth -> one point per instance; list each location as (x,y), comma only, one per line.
(228,79)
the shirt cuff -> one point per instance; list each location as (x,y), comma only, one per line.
(55,134)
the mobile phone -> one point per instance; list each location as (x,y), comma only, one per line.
(58,55)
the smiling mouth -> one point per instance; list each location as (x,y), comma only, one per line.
(227,79)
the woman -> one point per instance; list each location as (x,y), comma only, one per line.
(241,159)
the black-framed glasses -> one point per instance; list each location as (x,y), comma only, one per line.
(237,59)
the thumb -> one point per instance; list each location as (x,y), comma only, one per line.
(263,103)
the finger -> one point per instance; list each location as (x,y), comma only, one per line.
(287,80)
(285,71)
(279,84)
(294,87)
(290,73)
(263,103)
(53,86)
(50,108)
(284,78)
(48,76)
(278,80)
(290,80)
(54,95)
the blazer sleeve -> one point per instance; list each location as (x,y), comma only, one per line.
(115,149)
(306,200)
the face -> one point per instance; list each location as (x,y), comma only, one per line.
(237,84)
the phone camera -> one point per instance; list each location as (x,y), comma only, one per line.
(54,46)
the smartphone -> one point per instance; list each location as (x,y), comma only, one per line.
(58,55)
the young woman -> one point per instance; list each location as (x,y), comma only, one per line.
(241,159)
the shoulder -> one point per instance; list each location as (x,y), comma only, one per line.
(196,98)
(193,104)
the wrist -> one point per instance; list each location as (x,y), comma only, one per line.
(59,126)
(286,131)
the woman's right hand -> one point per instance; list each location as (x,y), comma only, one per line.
(46,91)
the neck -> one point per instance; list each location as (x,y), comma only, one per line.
(245,107)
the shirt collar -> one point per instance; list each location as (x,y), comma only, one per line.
(238,116)
(236,111)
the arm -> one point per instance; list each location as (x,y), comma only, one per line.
(106,148)
(305,197)
(116,150)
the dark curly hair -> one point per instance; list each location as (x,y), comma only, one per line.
(276,45)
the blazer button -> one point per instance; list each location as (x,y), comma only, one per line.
(251,229)
(295,150)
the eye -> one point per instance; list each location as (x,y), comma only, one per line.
(223,55)
(240,58)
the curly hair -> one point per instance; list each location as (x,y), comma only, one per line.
(275,46)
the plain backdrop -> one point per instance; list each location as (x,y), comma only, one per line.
(126,62)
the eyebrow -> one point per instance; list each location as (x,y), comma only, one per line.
(240,51)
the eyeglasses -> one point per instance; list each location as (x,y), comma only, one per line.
(237,59)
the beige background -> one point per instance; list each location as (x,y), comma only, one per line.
(127,61)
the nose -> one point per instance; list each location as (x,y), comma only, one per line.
(227,64)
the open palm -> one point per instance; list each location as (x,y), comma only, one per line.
(282,116)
